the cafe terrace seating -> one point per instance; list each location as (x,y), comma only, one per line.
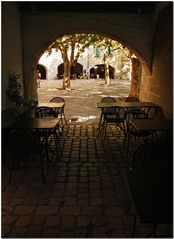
(103,110)
(45,112)
(150,193)
(48,112)
(60,110)
(129,131)
(113,115)
(23,143)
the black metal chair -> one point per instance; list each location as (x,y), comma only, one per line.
(24,143)
(114,116)
(103,110)
(165,149)
(61,110)
(129,130)
(152,156)
(151,111)
(131,99)
(47,112)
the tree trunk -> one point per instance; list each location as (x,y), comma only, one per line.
(106,63)
(107,78)
(135,77)
(66,75)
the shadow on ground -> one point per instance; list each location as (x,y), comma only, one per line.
(81,101)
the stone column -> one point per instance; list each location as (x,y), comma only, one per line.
(135,77)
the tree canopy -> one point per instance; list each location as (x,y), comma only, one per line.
(72,46)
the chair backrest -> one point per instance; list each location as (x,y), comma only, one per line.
(145,156)
(131,99)
(108,99)
(57,99)
(115,115)
(45,112)
(22,142)
(165,145)
(151,111)
(133,113)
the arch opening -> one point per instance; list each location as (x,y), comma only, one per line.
(143,65)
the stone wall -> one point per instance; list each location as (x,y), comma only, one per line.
(11,46)
(39,30)
(148,36)
(158,87)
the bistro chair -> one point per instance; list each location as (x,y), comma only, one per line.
(165,149)
(61,110)
(130,131)
(114,116)
(131,99)
(24,143)
(151,111)
(146,157)
(47,112)
(103,110)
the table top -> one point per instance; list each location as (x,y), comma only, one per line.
(124,104)
(37,123)
(151,192)
(152,124)
(52,104)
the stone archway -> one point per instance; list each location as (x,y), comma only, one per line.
(42,69)
(145,71)
(75,71)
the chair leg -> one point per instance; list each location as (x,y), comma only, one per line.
(65,119)
(100,121)
(134,226)
(124,142)
(154,229)
(11,170)
(56,140)
(105,130)
(42,170)
(127,151)
(129,206)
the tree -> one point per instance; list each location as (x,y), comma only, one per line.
(108,48)
(71,47)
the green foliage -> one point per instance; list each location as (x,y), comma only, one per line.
(75,42)
(14,88)
(112,52)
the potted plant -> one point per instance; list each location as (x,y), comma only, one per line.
(14,89)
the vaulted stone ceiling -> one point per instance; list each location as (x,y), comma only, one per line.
(92,6)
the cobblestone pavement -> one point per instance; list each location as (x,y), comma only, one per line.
(85,197)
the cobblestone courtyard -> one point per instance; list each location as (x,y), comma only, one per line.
(81,100)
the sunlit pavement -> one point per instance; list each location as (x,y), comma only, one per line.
(81,100)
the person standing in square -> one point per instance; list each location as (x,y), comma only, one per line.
(38,77)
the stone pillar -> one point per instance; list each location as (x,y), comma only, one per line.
(135,77)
